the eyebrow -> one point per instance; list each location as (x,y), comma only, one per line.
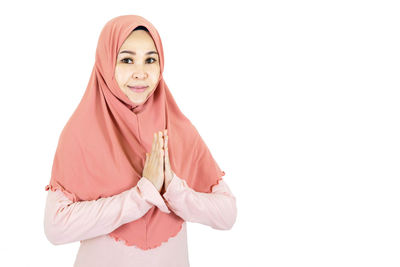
(133,53)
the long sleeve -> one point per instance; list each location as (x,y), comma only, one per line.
(216,209)
(66,221)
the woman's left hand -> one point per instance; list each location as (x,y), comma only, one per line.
(168,174)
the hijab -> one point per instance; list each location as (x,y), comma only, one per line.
(102,148)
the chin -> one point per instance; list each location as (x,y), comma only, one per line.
(137,101)
(138,98)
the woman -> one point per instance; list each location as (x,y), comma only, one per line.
(130,169)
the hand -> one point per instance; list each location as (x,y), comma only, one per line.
(153,168)
(167,166)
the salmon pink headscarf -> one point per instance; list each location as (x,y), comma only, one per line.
(102,148)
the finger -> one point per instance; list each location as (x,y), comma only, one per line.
(160,148)
(157,141)
(161,159)
(150,158)
(166,148)
(162,152)
(161,139)
(147,163)
(153,147)
(160,145)
(154,142)
(166,142)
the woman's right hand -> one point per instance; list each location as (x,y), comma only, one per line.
(153,168)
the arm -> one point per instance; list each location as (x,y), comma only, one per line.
(67,221)
(216,209)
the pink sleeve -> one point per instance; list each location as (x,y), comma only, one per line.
(66,221)
(216,209)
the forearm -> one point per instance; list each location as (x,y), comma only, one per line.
(216,209)
(67,221)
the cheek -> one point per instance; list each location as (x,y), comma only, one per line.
(155,73)
(120,75)
(116,74)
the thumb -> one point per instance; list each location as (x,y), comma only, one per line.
(166,156)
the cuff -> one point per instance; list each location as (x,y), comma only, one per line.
(175,186)
(151,194)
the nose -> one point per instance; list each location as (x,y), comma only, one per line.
(139,75)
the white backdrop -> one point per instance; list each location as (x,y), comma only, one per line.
(298,102)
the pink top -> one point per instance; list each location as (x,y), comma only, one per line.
(90,221)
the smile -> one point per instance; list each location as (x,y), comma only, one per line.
(138,89)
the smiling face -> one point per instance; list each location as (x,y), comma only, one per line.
(137,65)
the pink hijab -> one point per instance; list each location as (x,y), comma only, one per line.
(102,148)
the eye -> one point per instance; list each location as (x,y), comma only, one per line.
(153,59)
(124,60)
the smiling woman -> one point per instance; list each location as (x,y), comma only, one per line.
(137,69)
(130,168)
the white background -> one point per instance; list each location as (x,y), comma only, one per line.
(298,102)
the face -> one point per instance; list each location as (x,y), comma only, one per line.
(137,65)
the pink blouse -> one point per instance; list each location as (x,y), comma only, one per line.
(90,221)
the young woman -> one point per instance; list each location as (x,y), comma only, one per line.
(130,169)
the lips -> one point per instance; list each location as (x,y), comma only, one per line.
(138,86)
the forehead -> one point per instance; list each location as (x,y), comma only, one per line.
(138,40)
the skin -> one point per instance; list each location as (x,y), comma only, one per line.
(168,174)
(138,69)
(157,167)
(144,69)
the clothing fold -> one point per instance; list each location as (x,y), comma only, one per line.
(66,221)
